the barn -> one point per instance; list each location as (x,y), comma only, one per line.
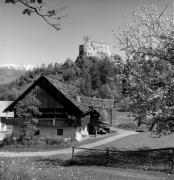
(62,113)
(64,110)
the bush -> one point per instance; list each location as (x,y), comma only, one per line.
(8,141)
(124,104)
(31,141)
(34,141)
(53,140)
(129,125)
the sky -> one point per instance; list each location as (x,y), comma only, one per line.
(29,40)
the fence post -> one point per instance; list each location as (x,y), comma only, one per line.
(172,160)
(72,154)
(107,155)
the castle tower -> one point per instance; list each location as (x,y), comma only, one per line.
(92,48)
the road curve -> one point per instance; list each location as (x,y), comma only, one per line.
(121,134)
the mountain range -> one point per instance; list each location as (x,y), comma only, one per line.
(17,67)
(10,72)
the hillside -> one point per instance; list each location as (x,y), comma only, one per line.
(11,72)
(93,76)
(8,75)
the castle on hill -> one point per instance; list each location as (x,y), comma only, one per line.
(92,48)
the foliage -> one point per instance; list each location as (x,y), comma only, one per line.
(92,75)
(69,74)
(95,77)
(26,110)
(54,141)
(129,125)
(16,142)
(148,44)
(105,91)
(28,107)
(39,8)
(103,75)
(124,104)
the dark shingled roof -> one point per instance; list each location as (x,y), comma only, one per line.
(70,92)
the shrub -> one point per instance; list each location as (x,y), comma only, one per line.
(53,140)
(31,141)
(129,125)
(124,104)
(8,141)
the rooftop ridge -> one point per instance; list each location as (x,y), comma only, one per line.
(59,81)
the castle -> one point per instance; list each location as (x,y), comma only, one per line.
(92,48)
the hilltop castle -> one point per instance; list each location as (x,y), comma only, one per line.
(92,48)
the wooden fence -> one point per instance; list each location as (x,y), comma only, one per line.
(148,159)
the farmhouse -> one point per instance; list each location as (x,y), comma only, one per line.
(3,105)
(64,111)
(61,113)
(4,115)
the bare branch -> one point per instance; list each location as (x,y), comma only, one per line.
(162,12)
(50,17)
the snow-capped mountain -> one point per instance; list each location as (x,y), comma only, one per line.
(10,72)
(17,67)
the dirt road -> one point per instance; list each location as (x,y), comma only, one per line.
(121,134)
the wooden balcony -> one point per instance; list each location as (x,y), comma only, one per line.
(10,121)
(52,122)
(44,122)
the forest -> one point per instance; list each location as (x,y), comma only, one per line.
(99,77)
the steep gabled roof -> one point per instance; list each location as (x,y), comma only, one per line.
(68,91)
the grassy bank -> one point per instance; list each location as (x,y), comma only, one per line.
(142,140)
(42,169)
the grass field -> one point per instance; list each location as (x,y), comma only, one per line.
(39,169)
(49,168)
(142,140)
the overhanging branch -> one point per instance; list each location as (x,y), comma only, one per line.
(50,17)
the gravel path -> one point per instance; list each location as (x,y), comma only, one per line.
(121,134)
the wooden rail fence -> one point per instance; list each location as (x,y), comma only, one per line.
(148,159)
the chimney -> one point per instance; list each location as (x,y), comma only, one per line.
(78,98)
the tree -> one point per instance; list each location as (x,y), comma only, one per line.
(106,70)
(39,8)
(95,77)
(85,84)
(68,63)
(27,110)
(149,46)
(9,93)
(105,91)
(69,74)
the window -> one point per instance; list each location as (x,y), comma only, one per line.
(59,132)
(37,132)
